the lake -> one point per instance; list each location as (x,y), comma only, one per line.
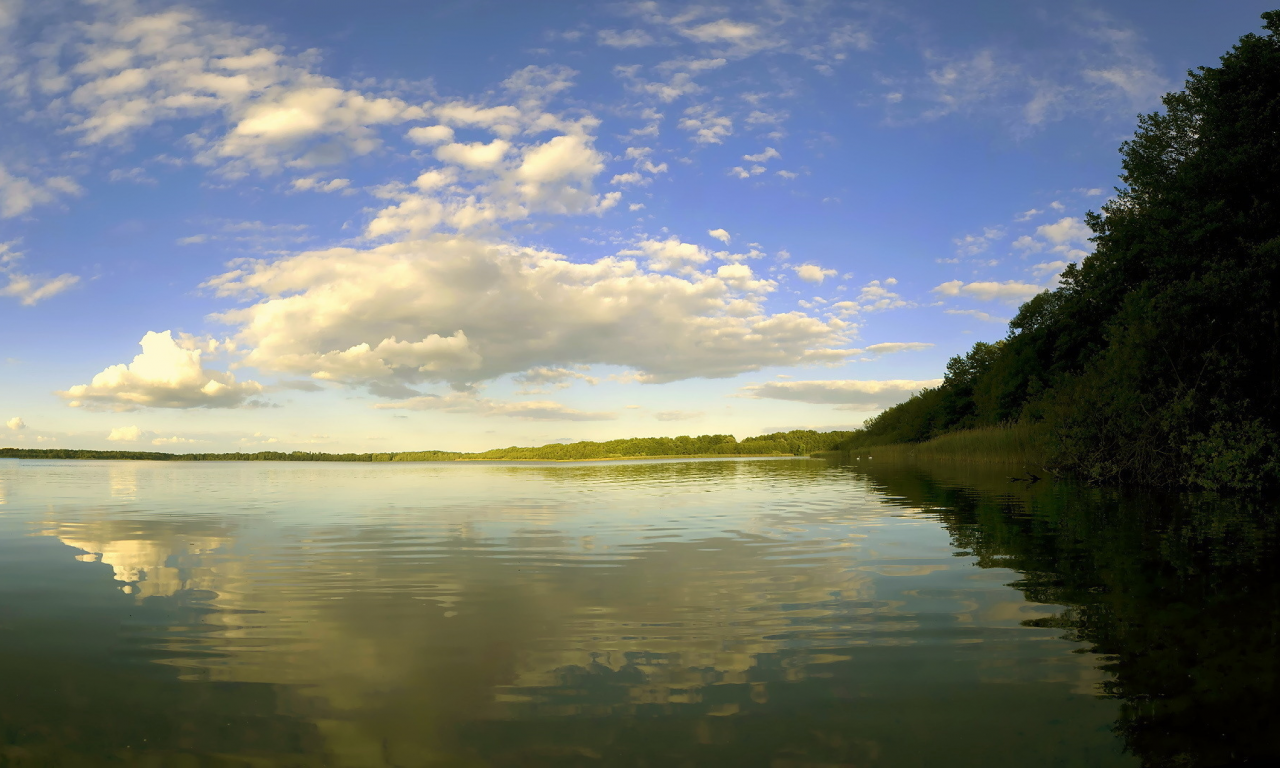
(788,613)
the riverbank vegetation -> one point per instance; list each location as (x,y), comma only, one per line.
(800,442)
(1156,358)
(1025,444)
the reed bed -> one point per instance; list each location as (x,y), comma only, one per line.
(1025,444)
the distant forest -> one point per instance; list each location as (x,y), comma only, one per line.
(800,442)
(1157,359)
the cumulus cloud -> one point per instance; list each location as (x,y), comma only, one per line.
(812,273)
(670,255)
(1028,244)
(164,375)
(134,434)
(505,180)
(460,310)
(872,297)
(1011,291)
(16,424)
(719,234)
(125,435)
(530,410)
(845,394)
(1065,230)
(430,134)
(475,155)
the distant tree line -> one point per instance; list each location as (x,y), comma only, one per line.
(801,442)
(1157,358)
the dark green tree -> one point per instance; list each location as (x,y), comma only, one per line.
(1156,360)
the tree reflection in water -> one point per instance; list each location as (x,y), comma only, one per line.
(1179,595)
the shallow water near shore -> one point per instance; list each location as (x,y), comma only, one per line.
(784,613)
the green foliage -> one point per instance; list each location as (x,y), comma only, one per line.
(800,442)
(1025,446)
(1156,359)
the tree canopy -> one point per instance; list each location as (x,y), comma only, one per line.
(1155,360)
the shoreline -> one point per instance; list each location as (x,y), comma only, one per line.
(179,460)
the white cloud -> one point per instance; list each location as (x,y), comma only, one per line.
(535,86)
(319,185)
(120,71)
(461,310)
(175,440)
(978,314)
(719,234)
(135,175)
(16,424)
(26,288)
(1028,215)
(1028,243)
(670,255)
(30,289)
(706,125)
(872,297)
(768,154)
(812,273)
(629,38)
(531,410)
(1049,268)
(848,394)
(972,245)
(560,378)
(680,75)
(892,347)
(733,38)
(133,434)
(19,194)
(1065,230)
(125,435)
(164,375)
(430,134)
(1010,291)
(508,182)
(475,155)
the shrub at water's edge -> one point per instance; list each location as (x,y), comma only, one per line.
(1156,359)
(1024,445)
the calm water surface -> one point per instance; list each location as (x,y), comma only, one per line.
(780,613)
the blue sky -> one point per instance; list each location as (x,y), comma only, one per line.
(462,225)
